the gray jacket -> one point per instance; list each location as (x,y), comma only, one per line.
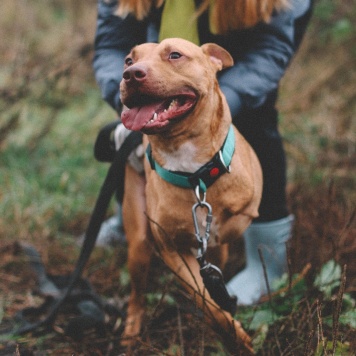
(261,53)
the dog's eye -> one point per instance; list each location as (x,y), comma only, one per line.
(174,55)
(128,61)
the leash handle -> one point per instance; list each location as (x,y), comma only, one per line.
(214,283)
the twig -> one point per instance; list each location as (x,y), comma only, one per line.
(307,346)
(265,275)
(9,278)
(301,275)
(9,126)
(337,311)
(320,327)
(180,333)
(166,289)
(289,266)
(269,298)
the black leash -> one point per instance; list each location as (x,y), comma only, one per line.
(113,181)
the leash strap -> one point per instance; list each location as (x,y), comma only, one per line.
(214,282)
(110,185)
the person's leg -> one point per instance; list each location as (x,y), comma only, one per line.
(268,239)
(271,230)
(260,128)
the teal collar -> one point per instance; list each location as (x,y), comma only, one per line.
(206,175)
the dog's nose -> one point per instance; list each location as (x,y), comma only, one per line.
(134,73)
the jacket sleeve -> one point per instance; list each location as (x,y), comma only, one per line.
(114,39)
(259,69)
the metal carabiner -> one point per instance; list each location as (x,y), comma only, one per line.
(202,239)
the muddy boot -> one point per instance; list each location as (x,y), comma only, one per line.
(270,237)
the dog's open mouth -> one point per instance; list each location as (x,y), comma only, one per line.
(149,115)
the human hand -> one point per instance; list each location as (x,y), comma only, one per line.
(135,158)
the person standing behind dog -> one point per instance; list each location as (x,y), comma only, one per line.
(262,37)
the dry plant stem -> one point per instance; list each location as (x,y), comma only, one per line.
(301,275)
(9,126)
(289,349)
(343,233)
(265,275)
(180,332)
(308,344)
(289,266)
(320,327)
(110,349)
(165,292)
(202,342)
(269,298)
(49,123)
(148,346)
(337,311)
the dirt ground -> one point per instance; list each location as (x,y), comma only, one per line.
(325,229)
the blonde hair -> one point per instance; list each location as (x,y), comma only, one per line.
(139,8)
(225,14)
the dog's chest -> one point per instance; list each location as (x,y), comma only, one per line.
(182,159)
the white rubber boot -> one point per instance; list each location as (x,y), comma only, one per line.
(111,232)
(270,237)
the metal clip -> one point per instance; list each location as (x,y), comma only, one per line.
(202,239)
(197,194)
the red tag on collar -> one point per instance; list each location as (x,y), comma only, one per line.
(214,172)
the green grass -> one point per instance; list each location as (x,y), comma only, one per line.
(52,181)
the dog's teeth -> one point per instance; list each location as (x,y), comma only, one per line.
(154,117)
(173,103)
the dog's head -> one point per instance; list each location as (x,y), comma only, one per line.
(164,83)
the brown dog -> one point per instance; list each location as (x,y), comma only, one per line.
(172,95)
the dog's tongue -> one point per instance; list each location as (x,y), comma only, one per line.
(136,118)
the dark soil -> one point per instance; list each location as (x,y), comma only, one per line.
(325,229)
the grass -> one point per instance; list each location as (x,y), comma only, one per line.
(56,179)
(51,111)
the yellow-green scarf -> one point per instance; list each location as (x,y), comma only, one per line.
(178,20)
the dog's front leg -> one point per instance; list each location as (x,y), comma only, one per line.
(139,250)
(187,269)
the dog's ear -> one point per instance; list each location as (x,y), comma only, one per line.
(218,55)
